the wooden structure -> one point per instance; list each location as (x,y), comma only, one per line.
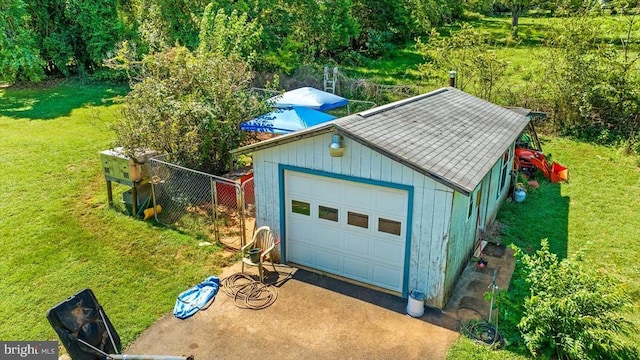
(123,170)
(402,204)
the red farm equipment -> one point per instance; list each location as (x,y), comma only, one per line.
(529,155)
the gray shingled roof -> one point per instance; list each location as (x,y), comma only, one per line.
(448,135)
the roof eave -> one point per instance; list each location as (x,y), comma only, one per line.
(405,162)
(284,139)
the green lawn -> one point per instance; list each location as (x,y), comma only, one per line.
(58,236)
(524,55)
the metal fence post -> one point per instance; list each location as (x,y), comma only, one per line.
(240,198)
(214,209)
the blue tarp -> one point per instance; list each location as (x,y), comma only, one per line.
(196,298)
(309,97)
(284,121)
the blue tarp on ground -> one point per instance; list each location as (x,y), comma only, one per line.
(309,97)
(196,298)
(284,121)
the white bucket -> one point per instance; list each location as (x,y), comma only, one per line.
(415,304)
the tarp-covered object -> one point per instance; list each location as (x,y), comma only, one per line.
(80,317)
(309,97)
(196,298)
(284,121)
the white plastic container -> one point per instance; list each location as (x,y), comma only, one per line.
(415,304)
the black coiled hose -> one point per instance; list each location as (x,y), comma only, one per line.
(482,331)
(248,293)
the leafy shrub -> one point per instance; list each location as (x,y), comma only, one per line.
(471,53)
(472,16)
(352,58)
(228,35)
(594,95)
(378,43)
(286,58)
(189,105)
(572,313)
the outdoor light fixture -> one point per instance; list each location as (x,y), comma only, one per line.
(336,148)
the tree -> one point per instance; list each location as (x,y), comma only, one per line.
(165,23)
(338,26)
(470,54)
(74,35)
(95,29)
(230,36)
(189,104)
(293,32)
(595,93)
(426,14)
(383,16)
(518,7)
(323,28)
(479,6)
(19,55)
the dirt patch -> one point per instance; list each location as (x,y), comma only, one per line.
(494,233)
(228,223)
(492,249)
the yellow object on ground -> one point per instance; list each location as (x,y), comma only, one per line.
(149,213)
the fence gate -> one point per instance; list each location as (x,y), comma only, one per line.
(205,205)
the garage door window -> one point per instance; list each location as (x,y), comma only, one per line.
(389,226)
(360,220)
(328,213)
(300,207)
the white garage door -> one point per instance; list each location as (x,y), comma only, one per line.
(347,228)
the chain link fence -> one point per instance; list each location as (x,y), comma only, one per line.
(217,209)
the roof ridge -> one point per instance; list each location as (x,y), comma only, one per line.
(393,105)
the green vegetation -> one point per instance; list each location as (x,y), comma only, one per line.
(583,69)
(571,311)
(62,237)
(75,37)
(591,218)
(467,349)
(584,72)
(581,66)
(58,234)
(190,103)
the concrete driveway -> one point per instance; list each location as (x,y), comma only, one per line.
(314,317)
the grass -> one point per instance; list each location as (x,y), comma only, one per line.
(398,68)
(524,55)
(465,348)
(46,102)
(594,216)
(57,234)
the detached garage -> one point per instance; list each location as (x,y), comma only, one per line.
(400,201)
